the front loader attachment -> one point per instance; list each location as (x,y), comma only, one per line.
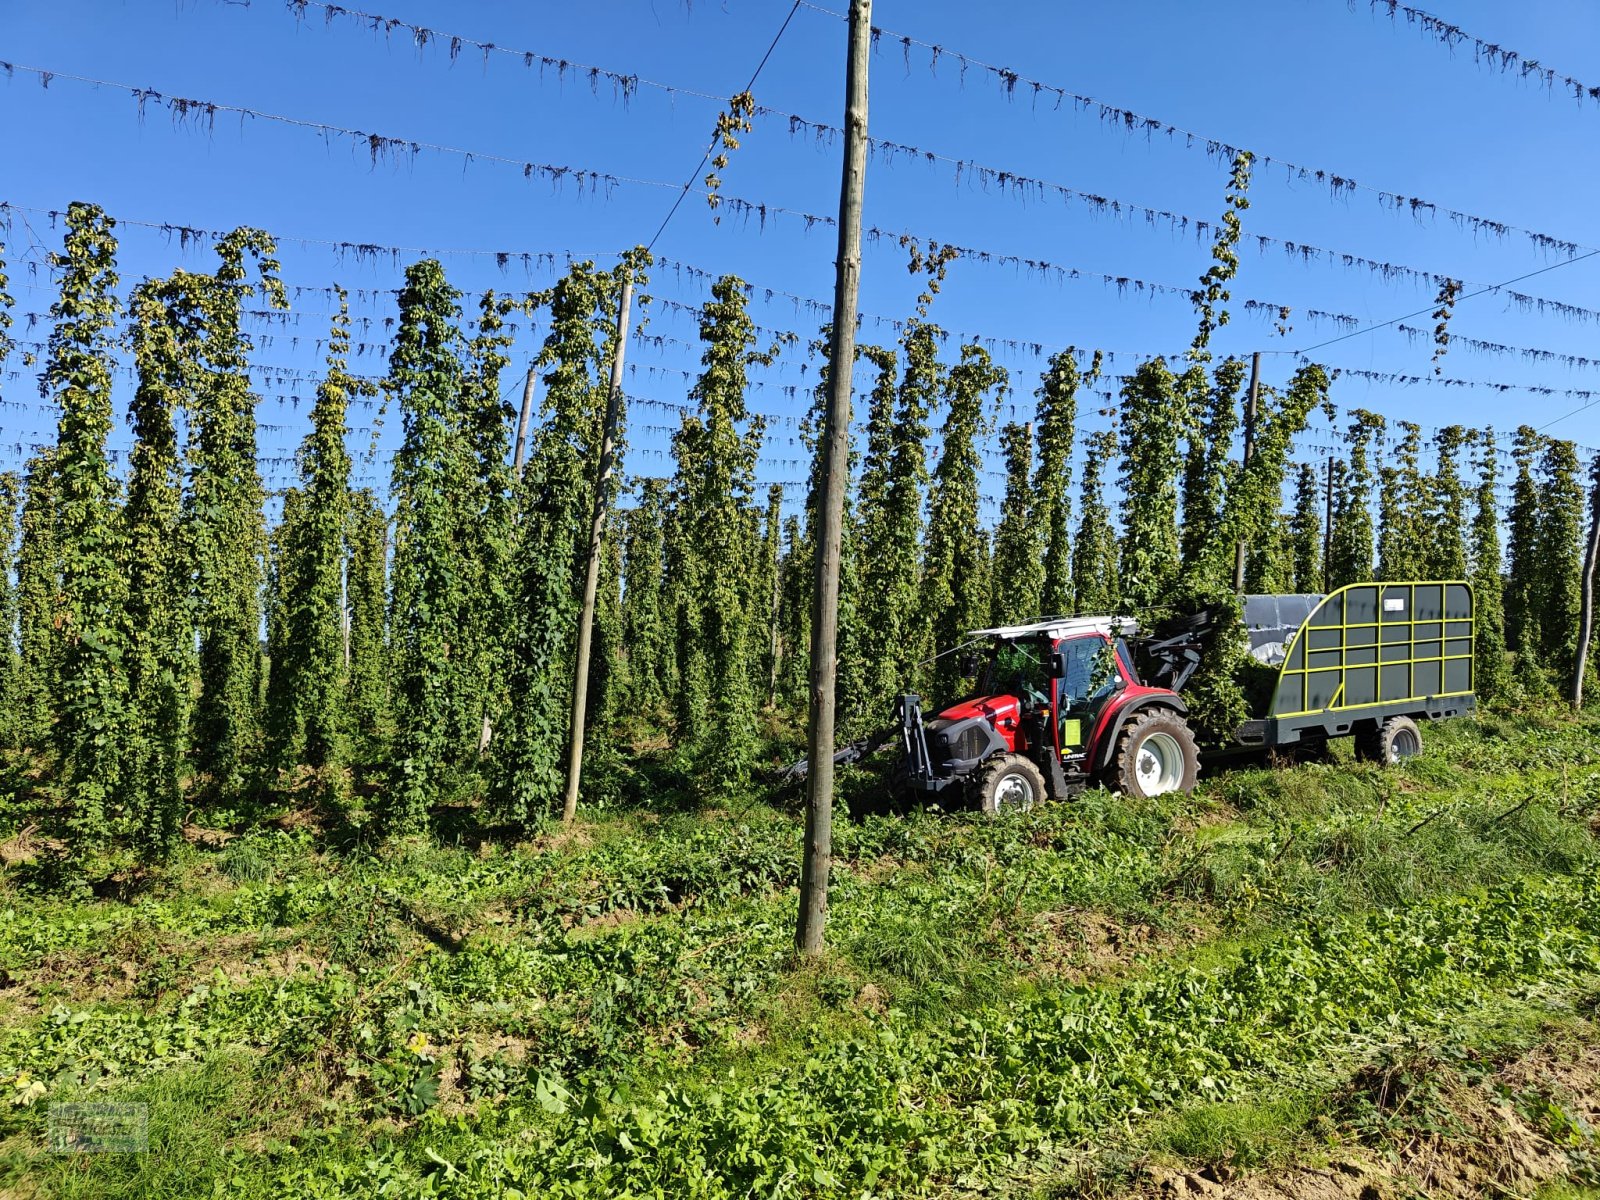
(916,763)
(851,752)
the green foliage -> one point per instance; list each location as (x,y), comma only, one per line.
(1153,420)
(1225,255)
(1095,585)
(955,585)
(1561,530)
(1488,579)
(1350,549)
(856,709)
(1305,530)
(1445,555)
(795,626)
(1250,511)
(11,706)
(713,493)
(644,622)
(515,1012)
(92,701)
(433,478)
(1051,514)
(1403,525)
(1208,471)
(894,474)
(38,596)
(367,545)
(486,535)
(609,680)
(224,520)
(555,498)
(160,619)
(308,721)
(1237,1135)
(1524,576)
(1017,572)
(1269,566)
(767,594)
(1216,699)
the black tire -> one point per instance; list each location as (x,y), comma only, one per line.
(1009,783)
(1158,741)
(1395,740)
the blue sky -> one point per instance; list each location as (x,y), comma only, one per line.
(1313,82)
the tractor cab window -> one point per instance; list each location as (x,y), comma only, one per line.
(1020,669)
(1091,677)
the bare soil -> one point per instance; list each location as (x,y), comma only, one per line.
(1496,1144)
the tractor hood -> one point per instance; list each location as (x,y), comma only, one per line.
(1000,711)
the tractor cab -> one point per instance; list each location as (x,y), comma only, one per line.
(1060,684)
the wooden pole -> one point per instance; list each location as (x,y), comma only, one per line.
(1586,611)
(597,527)
(1249,453)
(818,857)
(774,642)
(523,418)
(1327,523)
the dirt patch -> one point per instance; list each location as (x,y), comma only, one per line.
(1534,1120)
(575,837)
(131,967)
(611,918)
(1339,1181)
(209,839)
(1570,1074)
(25,846)
(1078,944)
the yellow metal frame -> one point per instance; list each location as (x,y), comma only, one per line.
(1300,677)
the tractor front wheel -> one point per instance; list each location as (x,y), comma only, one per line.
(1155,754)
(1011,783)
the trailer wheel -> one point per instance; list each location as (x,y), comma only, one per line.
(1396,740)
(1156,754)
(1008,784)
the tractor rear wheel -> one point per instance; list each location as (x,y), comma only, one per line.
(1010,783)
(1155,754)
(1396,740)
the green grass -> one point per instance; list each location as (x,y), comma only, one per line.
(617,1009)
(1242,1134)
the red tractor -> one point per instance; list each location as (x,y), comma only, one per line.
(1069,702)
(1059,704)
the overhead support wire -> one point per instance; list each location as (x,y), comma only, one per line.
(1485,53)
(187,110)
(712,145)
(626,85)
(1494,287)
(1010,82)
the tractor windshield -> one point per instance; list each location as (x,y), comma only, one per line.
(1020,669)
(1090,677)
(1091,671)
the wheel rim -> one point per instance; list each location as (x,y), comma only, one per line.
(1404,744)
(1159,764)
(1014,792)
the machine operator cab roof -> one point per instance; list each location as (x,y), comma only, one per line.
(1064,627)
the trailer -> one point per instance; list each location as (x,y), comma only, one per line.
(1360,658)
